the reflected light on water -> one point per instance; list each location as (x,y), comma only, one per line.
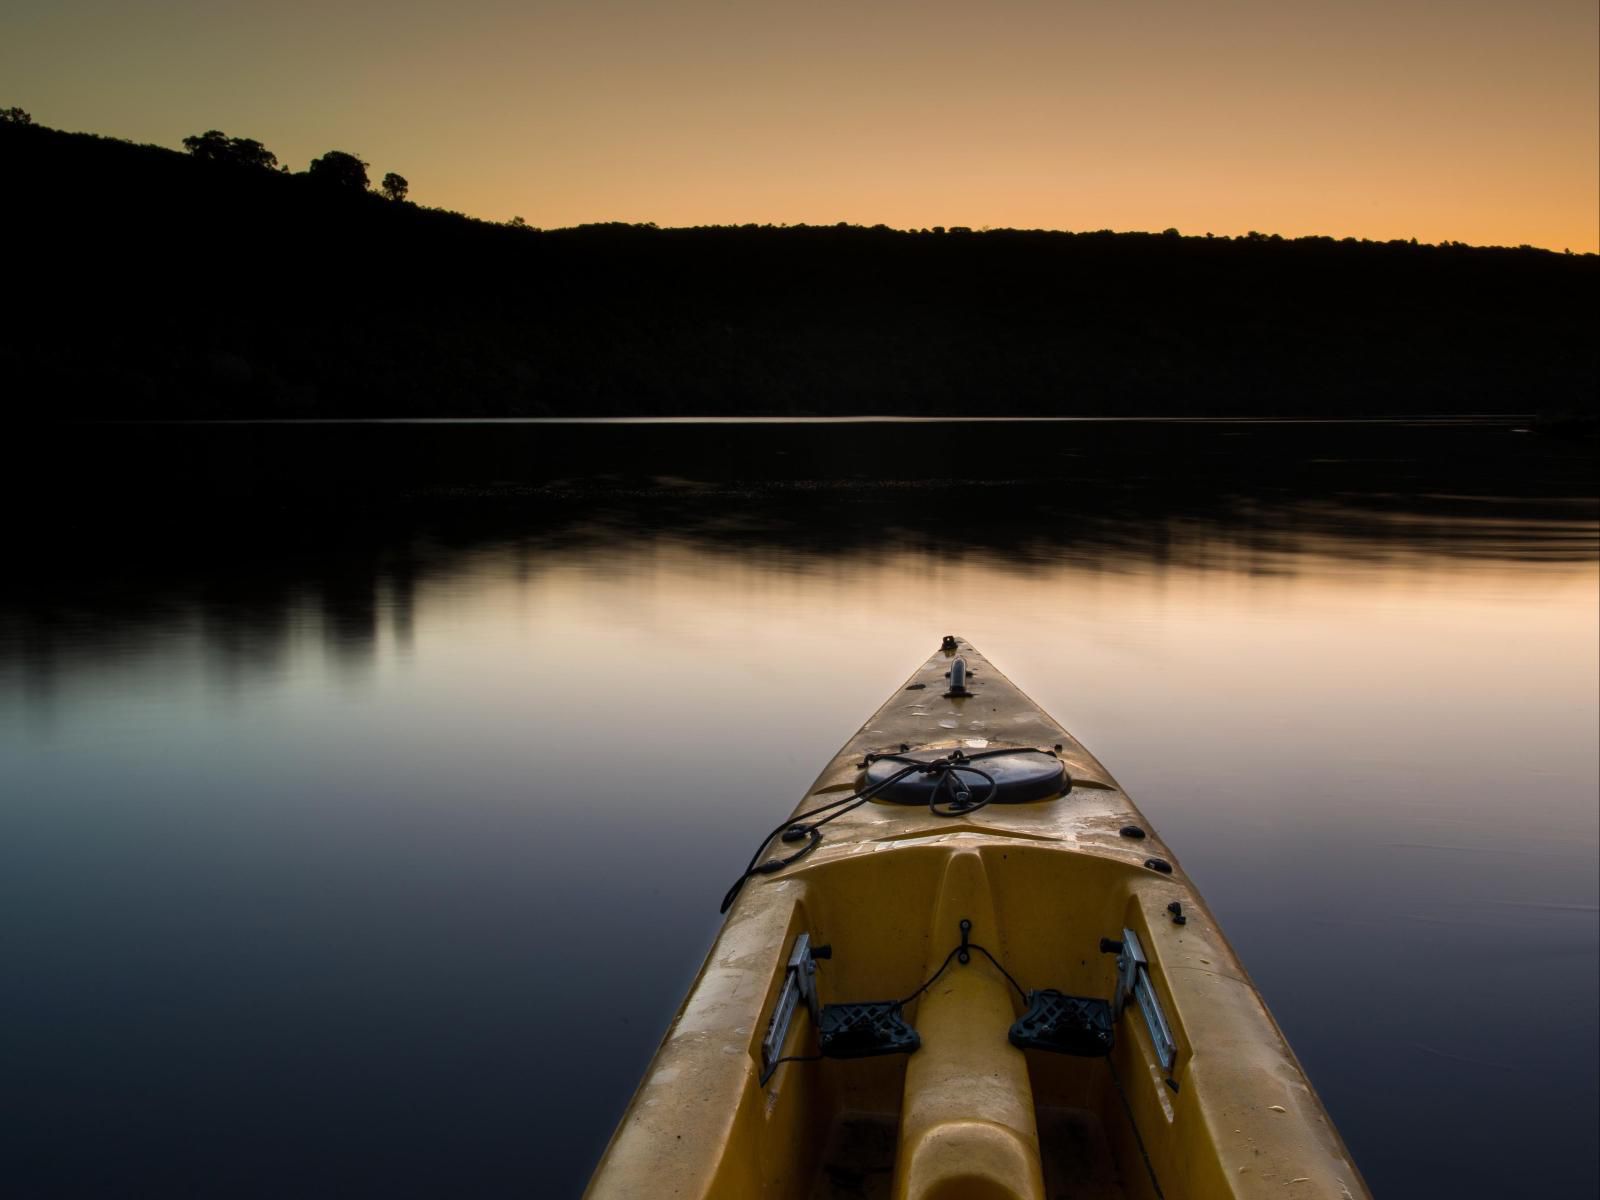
(396,836)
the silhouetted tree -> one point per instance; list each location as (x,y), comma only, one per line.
(340,170)
(248,152)
(517,223)
(15,116)
(215,146)
(395,186)
(212,145)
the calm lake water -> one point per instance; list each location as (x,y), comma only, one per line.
(367,796)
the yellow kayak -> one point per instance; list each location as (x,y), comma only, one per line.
(965,966)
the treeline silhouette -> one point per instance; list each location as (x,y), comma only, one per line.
(161,284)
(337,168)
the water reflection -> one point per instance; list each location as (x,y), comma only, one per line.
(252,595)
(371,854)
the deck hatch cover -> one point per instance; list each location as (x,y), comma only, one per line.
(1021,776)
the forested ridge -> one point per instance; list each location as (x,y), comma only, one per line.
(144,282)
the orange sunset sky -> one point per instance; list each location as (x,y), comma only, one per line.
(1462,120)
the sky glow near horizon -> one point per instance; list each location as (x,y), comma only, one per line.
(1473,121)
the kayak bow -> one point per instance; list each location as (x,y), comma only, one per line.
(965,966)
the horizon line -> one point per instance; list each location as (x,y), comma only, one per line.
(516,222)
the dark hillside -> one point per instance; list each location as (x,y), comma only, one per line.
(143,283)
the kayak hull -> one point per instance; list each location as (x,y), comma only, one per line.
(1203,1099)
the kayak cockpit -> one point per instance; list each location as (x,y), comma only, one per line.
(972,1102)
(958,936)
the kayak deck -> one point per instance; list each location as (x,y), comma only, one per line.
(1004,944)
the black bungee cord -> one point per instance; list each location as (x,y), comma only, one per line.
(960,950)
(794,829)
(947,768)
(950,768)
(1138,1138)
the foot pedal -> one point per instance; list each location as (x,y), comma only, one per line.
(1062,1024)
(865,1029)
